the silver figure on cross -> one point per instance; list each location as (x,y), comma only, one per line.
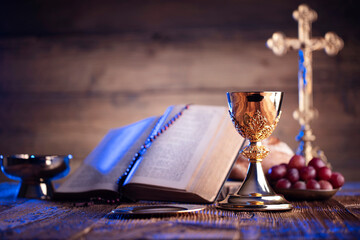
(305,45)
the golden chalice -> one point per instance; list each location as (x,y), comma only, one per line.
(255,116)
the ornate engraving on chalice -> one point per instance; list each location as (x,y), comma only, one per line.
(255,116)
(257,128)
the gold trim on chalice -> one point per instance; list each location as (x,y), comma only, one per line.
(256,128)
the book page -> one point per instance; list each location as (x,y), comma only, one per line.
(174,156)
(109,160)
(218,161)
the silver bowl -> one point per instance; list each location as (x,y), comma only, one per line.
(35,173)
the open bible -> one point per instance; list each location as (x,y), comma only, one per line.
(189,162)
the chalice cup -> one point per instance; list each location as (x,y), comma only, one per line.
(255,116)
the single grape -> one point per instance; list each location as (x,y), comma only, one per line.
(337,180)
(312,184)
(277,172)
(285,165)
(299,185)
(293,175)
(325,185)
(316,163)
(283,183)
(307,173)
(323,173)
(297,161)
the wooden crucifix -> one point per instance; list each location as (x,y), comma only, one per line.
(332,44)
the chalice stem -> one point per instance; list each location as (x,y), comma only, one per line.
(255,183)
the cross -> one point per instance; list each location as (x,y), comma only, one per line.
(305,45)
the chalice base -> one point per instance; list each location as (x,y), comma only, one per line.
(255,194)
(39,190)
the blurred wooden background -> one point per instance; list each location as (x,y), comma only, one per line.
(72,70)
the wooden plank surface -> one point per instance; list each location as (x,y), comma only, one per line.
(30,218)
(331,219)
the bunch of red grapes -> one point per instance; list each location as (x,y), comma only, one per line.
(296,175)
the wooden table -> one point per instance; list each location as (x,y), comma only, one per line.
(338,217)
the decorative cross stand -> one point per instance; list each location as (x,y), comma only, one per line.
(332,44)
